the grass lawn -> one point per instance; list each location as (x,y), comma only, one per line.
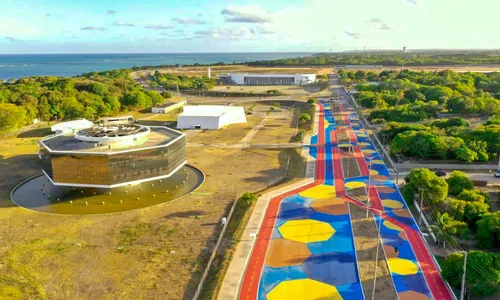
(157,252)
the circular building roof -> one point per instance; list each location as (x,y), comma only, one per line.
(112,133)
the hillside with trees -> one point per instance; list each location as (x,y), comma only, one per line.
(89,96)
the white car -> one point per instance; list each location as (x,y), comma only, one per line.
(497,174)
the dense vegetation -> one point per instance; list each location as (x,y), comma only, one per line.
(171,81)
(390,59)
(444,139)
(456,208)
(483,272)
(408,96)
(89,96)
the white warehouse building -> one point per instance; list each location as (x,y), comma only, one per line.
(267,79)
(210,116)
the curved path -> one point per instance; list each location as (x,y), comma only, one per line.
(305,246)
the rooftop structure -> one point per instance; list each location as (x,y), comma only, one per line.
(210,116)
(70,126)
(267,79)
(112,156)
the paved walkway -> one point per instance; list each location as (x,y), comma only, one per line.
(299,243)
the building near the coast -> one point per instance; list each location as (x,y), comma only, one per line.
(112,156)
(210,116)
(267,79)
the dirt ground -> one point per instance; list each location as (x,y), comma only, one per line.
(154,253)
(216,70)
(284,89)
(365,240)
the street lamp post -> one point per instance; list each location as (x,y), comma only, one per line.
(368,203)
(462,290)
(398,161)
(376,258)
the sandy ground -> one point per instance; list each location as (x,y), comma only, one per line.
(216,70)
(153,253)
(365,240)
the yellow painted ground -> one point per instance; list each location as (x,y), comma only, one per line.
(392,203)
(378,162)
(392,226)
(319,192)
(306,231)
(369,151)
(402,266)
(373,172)
(363,144)
(304,289)
(354,184)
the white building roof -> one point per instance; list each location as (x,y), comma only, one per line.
(209,110)
(72,125)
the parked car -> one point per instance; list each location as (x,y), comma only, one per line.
(441,173)
(497,174)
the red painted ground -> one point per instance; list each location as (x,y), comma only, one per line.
(250,285)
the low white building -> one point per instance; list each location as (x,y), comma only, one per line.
(71,126)
(210,116)
(167,107)
(267,79)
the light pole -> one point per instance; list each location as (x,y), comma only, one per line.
(368,204)
(462,290)
(398,160)
(421,206)
(376,257)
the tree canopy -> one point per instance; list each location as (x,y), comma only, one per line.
(92,95)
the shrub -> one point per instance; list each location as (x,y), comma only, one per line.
(312,100)
(304,117)
(458,181)
(248,198)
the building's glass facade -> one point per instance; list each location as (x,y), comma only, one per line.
(113,168)
(248,80)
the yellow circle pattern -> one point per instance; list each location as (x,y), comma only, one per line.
(402,266)
(319,192)
(304,289)
(306,231)
(355,184)
(392,204)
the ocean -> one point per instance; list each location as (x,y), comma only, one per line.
(23,65)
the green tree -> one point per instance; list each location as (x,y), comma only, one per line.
(459,181)
(469,212)
(423,180)
(304,117)
(472,196)
(488,231)
(481,277)
(312,100)
(12,117)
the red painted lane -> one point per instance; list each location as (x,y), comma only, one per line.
(337,167)
(363,167)
(250,286)
(431,273)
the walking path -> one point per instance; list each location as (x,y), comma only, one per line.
(304,247)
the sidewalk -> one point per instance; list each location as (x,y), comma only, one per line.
(231,283)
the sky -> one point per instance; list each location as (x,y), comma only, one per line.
(175,26)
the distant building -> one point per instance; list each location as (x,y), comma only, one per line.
(210,117)
(71,126)
(167,107)
(116,120)
(267,79)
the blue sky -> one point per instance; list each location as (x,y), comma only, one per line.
(100,26)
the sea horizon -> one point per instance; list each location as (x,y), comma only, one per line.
(72,64)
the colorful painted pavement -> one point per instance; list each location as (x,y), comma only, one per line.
(305,246)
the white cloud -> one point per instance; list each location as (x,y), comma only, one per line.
(188,21)
(246,14)
(93,28)
(123,24)
(240,33)
(158,27)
